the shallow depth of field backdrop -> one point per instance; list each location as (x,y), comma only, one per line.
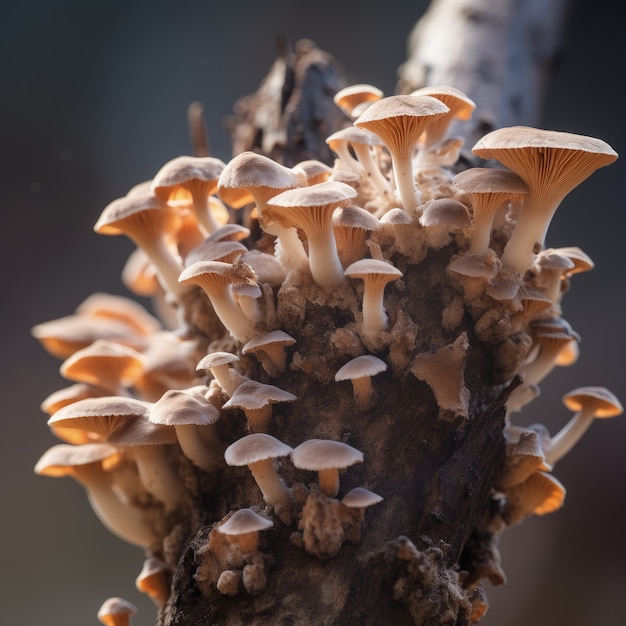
(93,100)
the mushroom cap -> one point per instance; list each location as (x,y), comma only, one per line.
(250,171)
(599,399)
(253,448)
(461,106)
(360,367)
(302,206)
(400,120)
(99,416)
(182,170)
(479,180)
(244,521)
(445,213)
(321,454)
(178,407)
(62,397)
(359,498)
(252,394)
(273,339)
(373,269)
(353,95)
(546,157)
(314,170)
(354,134)
(215,359)
(59,460)
(353,216)
(112,607)
(225,251)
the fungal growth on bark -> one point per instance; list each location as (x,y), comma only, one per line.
(319,427)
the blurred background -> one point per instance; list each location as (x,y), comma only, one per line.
(94,99)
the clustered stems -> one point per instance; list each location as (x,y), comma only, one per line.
(258,458)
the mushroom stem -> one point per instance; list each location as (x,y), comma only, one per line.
(200,445)
(324,260)
(328,480)
(274,490)
(363,392)
(569,435)
(127,522)
(167,267)
(374,175)
(158,475)
(374,315)
(202,208)
(404,175)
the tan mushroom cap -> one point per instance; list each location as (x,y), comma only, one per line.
(359,371)
(599,400)
(271,350)
(59,460)
(489,189)
(153,580)
(255,399)
(315,171)
(197,177)
(326,457)
(551,163)
(209,250)
(311,209)
(244,526)
(400,121)
(541,493)
(116,611)
(352,226)
(98,417)
(180,407)
(104,364)
(62,397)
(360,498)
(357,94)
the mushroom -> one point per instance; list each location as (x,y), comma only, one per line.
(314,170)
(357,95)
(244,526)
(116,612)
(311,209)
(255,399)
(375,274)
(148,222)
(360,498)
(192,417)
(270,349)
(195,175)
(218,363)
(62,397)
(489,189)
(351,225)
(215,279)
(105,364)
(84,463)
(551,163)
(442,217)
(400,121)
(460,106)
(360,371)
(589,403)
(154,580)
(258,451)
(540,494)
(326,457)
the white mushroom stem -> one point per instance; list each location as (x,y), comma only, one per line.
(569,435)
(158,475)
(324,262)
(223,375)
(272,487)
(201,445)
(167,266)
(233,318)
(374,175)
(123,520)
(202,209)
(404,175)
(289,249)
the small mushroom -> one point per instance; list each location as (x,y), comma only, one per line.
(154,580)
(270,349)
(258,452)
(360,371)
(326,457)
(375,274)
(255,399)
(244,526)
(116,612)
(218,363)
(589,403)
(357,95)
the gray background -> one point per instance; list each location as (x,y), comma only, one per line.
(93,101)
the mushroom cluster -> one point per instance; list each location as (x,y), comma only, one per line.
(318,328)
